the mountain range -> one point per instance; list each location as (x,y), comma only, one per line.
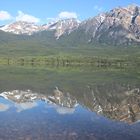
(120,26)
(27,28)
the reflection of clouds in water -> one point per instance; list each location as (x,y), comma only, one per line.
(4,107)
(25,106)
(60,110)
(65,110)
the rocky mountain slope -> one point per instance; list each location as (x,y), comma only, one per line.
(118,26)
(61,27)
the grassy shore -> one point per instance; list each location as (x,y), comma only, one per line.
(69,56)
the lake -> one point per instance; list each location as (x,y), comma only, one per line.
(69,103)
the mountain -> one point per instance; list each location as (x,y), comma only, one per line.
(57,97)
(65,26)
(120,26)
(21,27)
(60,27)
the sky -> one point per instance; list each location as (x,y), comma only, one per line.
(44,11)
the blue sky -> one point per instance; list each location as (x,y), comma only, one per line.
(42,11)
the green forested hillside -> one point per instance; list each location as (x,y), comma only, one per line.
(44,45)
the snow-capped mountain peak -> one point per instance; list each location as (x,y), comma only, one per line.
(21,27)
(28,28)
(62,26)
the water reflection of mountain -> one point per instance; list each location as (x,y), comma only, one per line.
(24,100)
(115,101)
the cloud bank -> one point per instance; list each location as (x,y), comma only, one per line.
(25,17)
(66,14)
(21,16)
(98,8)
(62,15)
(4,15)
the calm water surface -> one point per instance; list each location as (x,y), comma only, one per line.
(69,104)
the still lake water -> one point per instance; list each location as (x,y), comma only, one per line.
(71,103)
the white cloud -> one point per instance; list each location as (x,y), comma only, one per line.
(62,15)
(4,15)
(25,106)
(65,110)
(51,20)
(98,8)
(66,14)
(25,17)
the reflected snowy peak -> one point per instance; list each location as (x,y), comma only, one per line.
(24,100)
